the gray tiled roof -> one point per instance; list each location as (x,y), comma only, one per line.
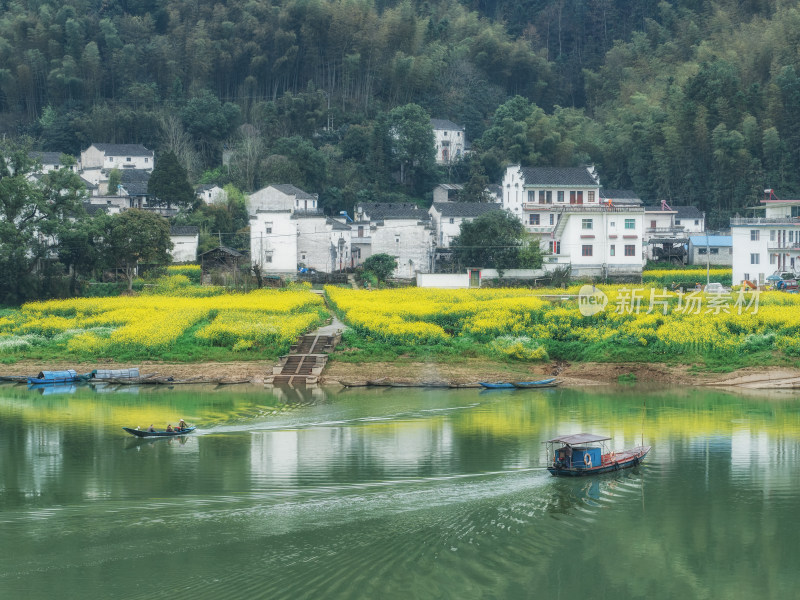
(577,176)
(688,212)
(134,181)
(377,211)
(445,124)
(92,209)
(123,149)
(183,230)
(465,209)
(290,190)
(46,158)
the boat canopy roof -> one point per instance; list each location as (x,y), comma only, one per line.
(578,438)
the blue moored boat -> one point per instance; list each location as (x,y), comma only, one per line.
(586,454)
(502,385)
(57,377)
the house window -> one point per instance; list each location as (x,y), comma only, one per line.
(560,196)
(697,221)
(146,160)
(128,159)
(586,223)
(613,224)
(303,256)
(702,251)
(110,159)
(747,276)
(555,247)
(452,220)
(548,197)
(268,258)
(612,250)
(630,223)
(590,196)
(771,235)
(531,196)
(397,239)
(652,224)
(715,251)
(630,250)
(754,258)
(533,220)
(586,250)
(580,197)
(677,221)
(754,235)
(791,236)
(772,259)
(552,219)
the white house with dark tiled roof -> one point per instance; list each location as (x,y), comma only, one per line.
(185,240)
(447,217)
(563,208)
(98,160)
(50,161)
(450,141)
(402,230)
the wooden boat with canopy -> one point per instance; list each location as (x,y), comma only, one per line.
(587,454)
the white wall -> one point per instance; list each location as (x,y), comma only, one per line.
(610,237)
(409,242)
(275,250)
(318,245)
(184,248)
(446,281)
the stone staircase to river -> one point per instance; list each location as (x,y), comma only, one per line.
(305,361)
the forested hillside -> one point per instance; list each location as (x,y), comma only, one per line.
(694,102)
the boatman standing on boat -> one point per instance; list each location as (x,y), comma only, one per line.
(182,424)
(151,428)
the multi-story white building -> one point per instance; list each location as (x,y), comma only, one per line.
(50,161)
(766,244)
(273,241)
(98,160)
(323,243)
(401,230)
(667,230)
(449,139)
(562,207)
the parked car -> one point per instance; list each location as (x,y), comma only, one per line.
(717,288)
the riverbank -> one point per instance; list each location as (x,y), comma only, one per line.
(465,371)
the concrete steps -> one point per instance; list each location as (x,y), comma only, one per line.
(305,361)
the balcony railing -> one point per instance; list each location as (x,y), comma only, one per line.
(361,240)
(764,221)
(539,228)
(679,230)
(783,246)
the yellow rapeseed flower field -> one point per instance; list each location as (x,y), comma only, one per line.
(144,324)
(653,320)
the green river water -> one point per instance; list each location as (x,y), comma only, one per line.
(395,493)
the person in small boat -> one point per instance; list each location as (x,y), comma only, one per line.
(182,425)
(151,429)
(169,428)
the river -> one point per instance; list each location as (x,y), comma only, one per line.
(395,493)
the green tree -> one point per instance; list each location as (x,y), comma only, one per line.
(34,216)
(169,183)
(133,237)
(114,180)
(496,240)
(380,265)
(413,148)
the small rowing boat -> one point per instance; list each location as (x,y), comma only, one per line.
(586,454)
(65,376)
(502,385)
(159,432)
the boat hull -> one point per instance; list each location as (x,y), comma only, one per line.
(502,385)
(144,433)
(620,460)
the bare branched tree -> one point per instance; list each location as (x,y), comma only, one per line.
(174,138)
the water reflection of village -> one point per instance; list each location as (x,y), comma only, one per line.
(300,437)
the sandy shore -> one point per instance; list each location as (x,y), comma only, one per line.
(461,372)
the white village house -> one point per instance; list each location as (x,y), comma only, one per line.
(449,139)
(447,217)
(401,230)
(98,160)
(562,207)
(185,239)
(287,231)
(211,193)
(766,244)
(667,230)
